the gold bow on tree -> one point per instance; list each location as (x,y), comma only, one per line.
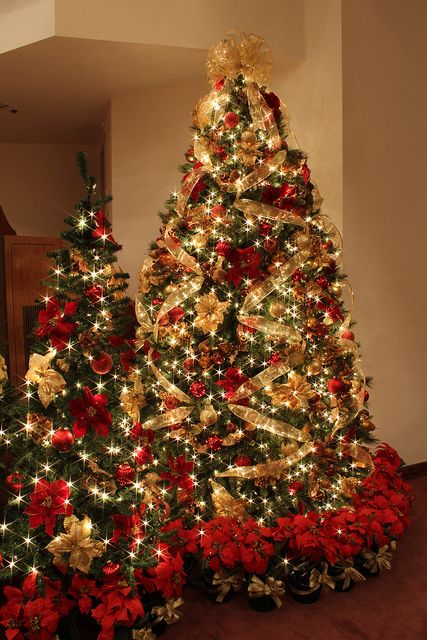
(77,542)
(239,53)
(271,587)
(49,381)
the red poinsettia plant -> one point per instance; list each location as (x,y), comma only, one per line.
(56,324)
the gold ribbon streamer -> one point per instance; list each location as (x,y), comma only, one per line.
(224,582)
(264,378)
(187,187)
(180,255)
(268,211)
(257,175)
(277,427)
(176,298)
(270,327)
(261,114)
(168,386)
(317,578)
(142,314)
(271,587)
(274,468)
(379,560)
(166,419)
(169,612)
(361,455)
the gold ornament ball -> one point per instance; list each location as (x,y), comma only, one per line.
(218,276)
(170,288)
(314,368)
(336,289)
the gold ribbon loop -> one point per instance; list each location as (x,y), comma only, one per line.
(169,612)
(271,587)
(378,560)
(318,578)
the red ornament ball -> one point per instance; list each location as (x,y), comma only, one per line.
(231,427)
(176,314)
(231,120)
(111,571)
(217,357)
(198,389)
(62,439)
(214,443)
(101,364)
(347,335)
(94,293)
(322,282)
(125,475)
(170,402)
(218,211)
(189,364)
(366,395)
(242,461)
(271,245)
(15,481)
(335,386)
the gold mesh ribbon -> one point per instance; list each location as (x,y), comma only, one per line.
(240,54)
(271,587)
(378,560)
(274,469)
(168,386)
(223,582)
(187,187)
(166,419)
(268,211)
(270,327)
(225,505)
(180,255)
(177,297)
(277,427)
(250,180)
(169,612)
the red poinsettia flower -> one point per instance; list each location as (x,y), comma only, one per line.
(232,381)
(53,592)
(47,501)
(283,197)
(117,606)
(245,262)
(83,591)
(182,538)
(127,359)
(55,323)
(178,475)
(169,576)
(90,411)
(11,619)
(40,619)
(255,549)
(94,293)
(101,230)
(127,527)
(219,543)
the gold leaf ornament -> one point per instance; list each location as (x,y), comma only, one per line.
(76,542)
(49,381)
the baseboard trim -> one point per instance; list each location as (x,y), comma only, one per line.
(414,470)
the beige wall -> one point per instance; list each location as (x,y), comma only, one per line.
(40,183)
(385,204)
(150,129)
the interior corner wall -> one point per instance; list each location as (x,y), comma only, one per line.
(150,131)
(40,184)
(385,203)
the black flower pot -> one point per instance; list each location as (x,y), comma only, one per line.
(159,627)
(211,589)
(263,603)
(359,562)
(298,581)
(337,570)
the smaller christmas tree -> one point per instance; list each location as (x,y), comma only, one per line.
(78,538)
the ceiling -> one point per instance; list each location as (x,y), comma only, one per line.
(61,87)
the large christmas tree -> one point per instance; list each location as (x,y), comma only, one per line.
(78,537)
(263,438)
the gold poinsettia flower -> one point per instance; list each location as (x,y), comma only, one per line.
(77,542)
(3,373)
(294,394)
(210,313)
(49,381)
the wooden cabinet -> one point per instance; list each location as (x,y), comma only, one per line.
(23,264)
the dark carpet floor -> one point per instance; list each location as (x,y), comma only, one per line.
(392,606)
